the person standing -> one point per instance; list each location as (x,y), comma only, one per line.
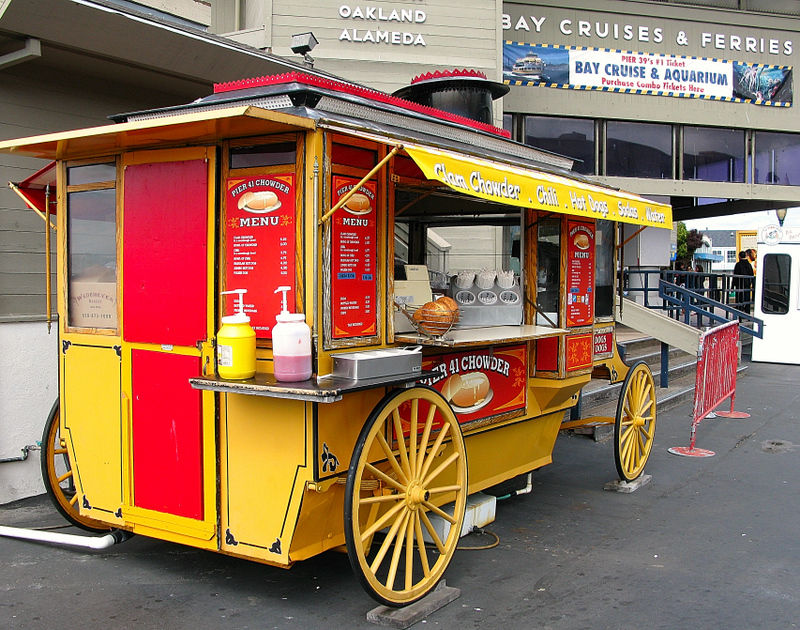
(742,282)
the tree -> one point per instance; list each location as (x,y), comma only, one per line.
(688,242)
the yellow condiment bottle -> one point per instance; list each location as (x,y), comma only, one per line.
(236,343)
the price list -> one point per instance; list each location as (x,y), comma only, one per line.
(580,273)
(354,233)
(260,245)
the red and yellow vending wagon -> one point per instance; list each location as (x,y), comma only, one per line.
(458,291)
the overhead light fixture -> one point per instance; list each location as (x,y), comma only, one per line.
(781,212)
(302,44)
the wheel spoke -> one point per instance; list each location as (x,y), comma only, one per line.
(412,438)
(60,451)
(398,548)
(440,512)
(426,434)
(434,536)
(423,556)
(391,458)
(387,542)
(73,499)
(63,477)
(381,498)
(379,524)
(441,489)
(435,449)
(440,468)
(410,551)
(401,442)
(384,477)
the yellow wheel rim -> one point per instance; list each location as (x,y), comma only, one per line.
(635,425)
(409,464)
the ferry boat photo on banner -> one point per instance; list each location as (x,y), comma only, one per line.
(646,73)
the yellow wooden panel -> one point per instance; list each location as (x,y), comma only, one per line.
(265,463)
(500,454)
(91,416)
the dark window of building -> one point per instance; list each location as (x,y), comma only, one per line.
(777,158)
(508,124)
(573,137)
(263,155)
(638,150)
(713,155)
(776,272)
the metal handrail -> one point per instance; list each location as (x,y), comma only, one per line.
(687,301)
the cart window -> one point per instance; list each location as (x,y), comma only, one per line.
(264,155)
(548,271)
(776,271)
(604,269)
(92,258)
(91,174)
(354,156)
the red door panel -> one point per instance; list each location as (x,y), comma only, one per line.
(164,255)
(167,434)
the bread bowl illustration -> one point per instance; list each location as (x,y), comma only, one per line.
(260,202)
(581,241)
(359,203)
(467,391)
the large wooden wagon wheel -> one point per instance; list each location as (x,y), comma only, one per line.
(635,422)
(409,462)
(57,475)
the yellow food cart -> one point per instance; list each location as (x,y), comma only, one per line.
(372,209)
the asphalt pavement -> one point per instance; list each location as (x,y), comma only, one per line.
(709,543)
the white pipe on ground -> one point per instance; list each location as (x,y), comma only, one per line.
(74,540)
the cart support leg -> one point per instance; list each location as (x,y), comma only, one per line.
(575,412)
(664,365)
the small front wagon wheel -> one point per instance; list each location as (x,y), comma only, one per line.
(409,463)
(635,423)
(58,476)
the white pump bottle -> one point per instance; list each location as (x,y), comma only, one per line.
(291,344)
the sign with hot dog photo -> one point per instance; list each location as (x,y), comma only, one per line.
(580,273)
(260,245)
(354,236)
(481,384)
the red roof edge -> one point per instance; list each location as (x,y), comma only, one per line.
(355,90)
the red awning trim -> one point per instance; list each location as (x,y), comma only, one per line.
(33,189)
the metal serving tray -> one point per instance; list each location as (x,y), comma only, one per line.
(369,364)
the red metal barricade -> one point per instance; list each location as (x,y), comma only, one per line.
(718,359)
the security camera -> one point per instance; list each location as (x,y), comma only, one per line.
(303,43)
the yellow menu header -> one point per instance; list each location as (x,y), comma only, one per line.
(528,188)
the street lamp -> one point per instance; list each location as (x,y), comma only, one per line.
(781,212)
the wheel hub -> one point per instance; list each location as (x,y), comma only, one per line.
(415,495)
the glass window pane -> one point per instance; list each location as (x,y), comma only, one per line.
(777,158)
(507,123)
(573,137)
(92,258)
(91,174)
(548,272)
(263,155)
(604,269)
(776,272)
(713,155)
(638,150)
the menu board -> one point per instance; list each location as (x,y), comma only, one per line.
(354,237)
(481,384)
(580,273)
(260,245)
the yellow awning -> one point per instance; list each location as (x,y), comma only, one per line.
(529,188)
